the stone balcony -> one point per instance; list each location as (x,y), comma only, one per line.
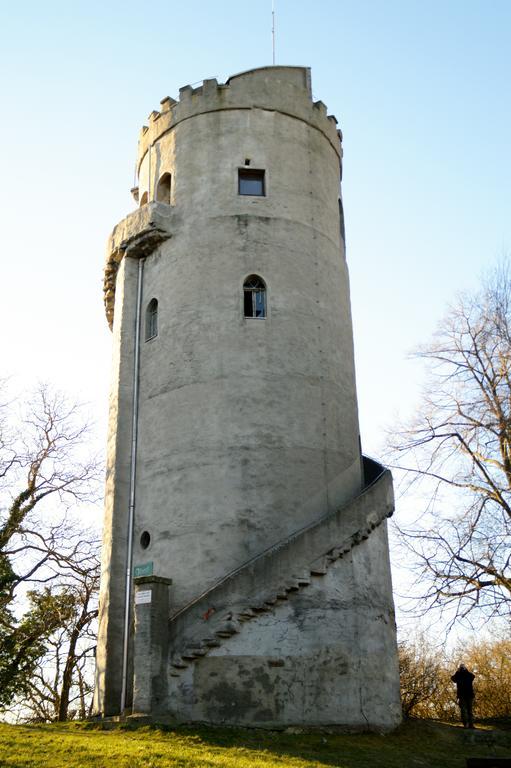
(136,236)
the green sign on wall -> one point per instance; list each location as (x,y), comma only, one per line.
(145,569)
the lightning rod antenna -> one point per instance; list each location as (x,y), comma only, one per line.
(273,29)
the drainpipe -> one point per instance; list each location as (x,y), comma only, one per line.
(133,468)
(149,177)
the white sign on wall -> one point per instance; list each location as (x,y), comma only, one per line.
(144,596)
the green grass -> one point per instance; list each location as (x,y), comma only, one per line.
(418,744)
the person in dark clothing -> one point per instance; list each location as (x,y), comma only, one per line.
(465,694)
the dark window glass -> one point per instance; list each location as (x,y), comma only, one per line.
(151,324)
(341,220)
(247,299)
(254,297)
(250,182)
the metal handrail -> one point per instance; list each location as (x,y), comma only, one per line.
(369,466)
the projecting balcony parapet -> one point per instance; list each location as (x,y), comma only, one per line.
(136,236)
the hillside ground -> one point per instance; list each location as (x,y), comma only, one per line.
(415,744)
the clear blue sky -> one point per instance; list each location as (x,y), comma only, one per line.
(422,94)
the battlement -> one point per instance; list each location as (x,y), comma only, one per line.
(275,88)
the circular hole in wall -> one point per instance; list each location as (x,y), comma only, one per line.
(145,539)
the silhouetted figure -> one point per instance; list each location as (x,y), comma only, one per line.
(465,694)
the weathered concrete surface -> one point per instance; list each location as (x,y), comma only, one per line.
(267,574)
(151,645)
(248,429)
(323,653)
(325,657)
(107,695)
(138,235)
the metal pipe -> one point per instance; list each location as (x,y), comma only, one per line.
(133,469)
(273,29)
(149,177)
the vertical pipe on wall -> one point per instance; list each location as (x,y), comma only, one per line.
(133,469)
(149,177)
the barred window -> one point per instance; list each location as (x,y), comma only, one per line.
(254,297)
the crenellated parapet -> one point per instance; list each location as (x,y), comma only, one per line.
(281,89)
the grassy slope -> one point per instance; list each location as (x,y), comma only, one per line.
(75,745)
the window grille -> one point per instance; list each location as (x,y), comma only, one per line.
(254,297)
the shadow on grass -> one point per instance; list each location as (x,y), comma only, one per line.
(415,743)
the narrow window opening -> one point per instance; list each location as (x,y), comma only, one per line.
(247,161)
(144,199)
(145,539)
(251,182)
(341,221)
(151,324)
(254,297)
(163,189)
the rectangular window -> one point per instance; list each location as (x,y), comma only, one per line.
(249,306)
(251,182)
(259,304)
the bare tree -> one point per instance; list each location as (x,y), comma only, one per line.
(457,452)
(42,473)
(427,690)
(420,669)
(60,686)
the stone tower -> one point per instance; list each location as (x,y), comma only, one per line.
(243,528)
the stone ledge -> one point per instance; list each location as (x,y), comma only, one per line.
(136,236)
(152,580)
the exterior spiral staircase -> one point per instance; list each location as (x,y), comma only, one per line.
(278,573)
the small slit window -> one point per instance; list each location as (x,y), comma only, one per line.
(341,221)
(254,297)
(164,188)
(151,320)
(251,182)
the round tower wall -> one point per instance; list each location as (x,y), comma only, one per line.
(248,428)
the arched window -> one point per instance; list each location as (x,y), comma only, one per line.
(254,297)
(144,199)
(163,189)
(151,320)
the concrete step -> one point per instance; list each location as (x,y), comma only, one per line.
(259,607)
(292,586)
(196,650)
(246,614)
(228,629)
(320,568)
(179,663)
(211,642)
(302,581)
